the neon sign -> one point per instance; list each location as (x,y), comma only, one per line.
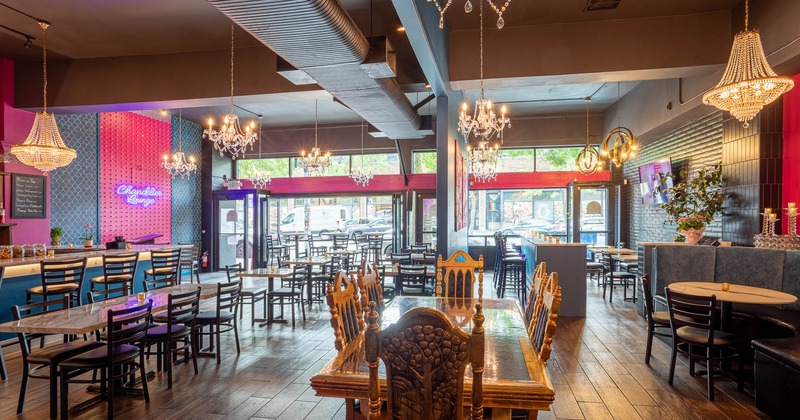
(138,196)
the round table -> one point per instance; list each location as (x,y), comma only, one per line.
(737,293)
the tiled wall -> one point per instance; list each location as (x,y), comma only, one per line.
(186,198)
(73,189)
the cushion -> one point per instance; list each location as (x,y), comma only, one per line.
(786,350)
(661,317)
(253,291)
(750,266)
(676,263)
(55,289)
(116,278)
(210,317)
(700,336)
(791,274)
(159,332)
(122,353)
(56,352)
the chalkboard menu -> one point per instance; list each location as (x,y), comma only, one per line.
(27,196)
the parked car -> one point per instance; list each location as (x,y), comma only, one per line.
(355,225)
(323,219)
(593,224)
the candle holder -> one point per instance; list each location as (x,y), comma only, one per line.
(772,223)
(791,217)
(765,223)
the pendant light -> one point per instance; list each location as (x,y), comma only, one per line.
(316,162)
(620,143)
(588,160)
(262,176)
(180,165)
(361,175)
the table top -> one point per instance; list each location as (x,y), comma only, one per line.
(316,260)
(93,316)
(625,258)
(340,252)
(736,294)
(513,376)
(611,250)
(273,272)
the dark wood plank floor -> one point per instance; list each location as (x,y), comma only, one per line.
(597,369)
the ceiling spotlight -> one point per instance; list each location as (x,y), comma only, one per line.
(427,85)
(28,42)
(401,29)
(164,112)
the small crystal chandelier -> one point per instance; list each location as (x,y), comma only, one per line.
(483,161)
(484,123)
(468,8)
(315,163)
(179,165)
(588,160)
(230,138)
(44,149)
(620,143)
(361,176)
(749,82)
(262,177)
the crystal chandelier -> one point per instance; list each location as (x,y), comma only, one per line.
(315,163)
(620,143)
(262,177)
(179,165)
(484,123)
(483,161)
(361,176)
(44,149)
(588,160)
(748,83)
(468,8)
(230,137)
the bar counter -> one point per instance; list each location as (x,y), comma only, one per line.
(569,261)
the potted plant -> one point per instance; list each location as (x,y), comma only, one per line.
(88,235)
(55,235)
(694,204)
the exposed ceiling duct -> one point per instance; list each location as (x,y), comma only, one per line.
(320,39)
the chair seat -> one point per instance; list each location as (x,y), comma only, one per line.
(661,318)
(159,332)
(54,289)
(116,278)
(700,336)
(159,271)
(250,292)
(210,317)
(623,274)
(124,353)
(594,266)
(56,352)
(285,291)
(188,263)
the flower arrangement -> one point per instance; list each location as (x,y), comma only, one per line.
(693,204)
(88,233)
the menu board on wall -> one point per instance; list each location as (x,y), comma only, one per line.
(27,196)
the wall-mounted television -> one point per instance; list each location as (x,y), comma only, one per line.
(650,176)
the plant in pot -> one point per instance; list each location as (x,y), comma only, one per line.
(88,235)
(55,235)
(693,204)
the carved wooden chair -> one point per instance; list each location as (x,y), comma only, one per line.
(369,283)
(422,385)
(543,324)
(455,277)
(347,319)
(539,277)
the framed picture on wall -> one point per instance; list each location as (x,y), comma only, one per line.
(462,189)
(28,196)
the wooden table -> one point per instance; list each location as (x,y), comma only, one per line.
(270,274)
(626,258)
(312,261)
(513,376)
(736,294)
(88,318)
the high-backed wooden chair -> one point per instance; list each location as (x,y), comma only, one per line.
(347,319)
(543,326)
(455,277)
(369,283)
(425,385)
(539,277)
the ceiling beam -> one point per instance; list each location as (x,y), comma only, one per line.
(430,44)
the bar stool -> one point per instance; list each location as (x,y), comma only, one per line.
(164,272)
(59,278)
(118,269)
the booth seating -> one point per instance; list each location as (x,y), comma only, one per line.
(777,376)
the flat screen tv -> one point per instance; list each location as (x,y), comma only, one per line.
(650,176)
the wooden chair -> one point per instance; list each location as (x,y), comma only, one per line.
(59,278)
(222,319)
(695,324)
(543,325)
(346,315)
(539,277)
(369,283)
(118,269)
(655,319)
(422,385)
(456,276)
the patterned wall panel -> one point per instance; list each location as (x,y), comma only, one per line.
(73,189)
(131,147)
(186,200)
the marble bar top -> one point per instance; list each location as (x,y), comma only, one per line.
(18,267)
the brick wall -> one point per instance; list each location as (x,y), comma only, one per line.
(690,147)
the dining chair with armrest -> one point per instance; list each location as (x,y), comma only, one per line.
(455,276)
(429,384)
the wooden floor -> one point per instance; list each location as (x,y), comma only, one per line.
(597,369)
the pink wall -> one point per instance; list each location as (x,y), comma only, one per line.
(131,147)
(791,147)
(14,128)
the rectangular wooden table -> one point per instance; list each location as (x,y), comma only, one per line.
(270,274)
(513,376)
(90,317)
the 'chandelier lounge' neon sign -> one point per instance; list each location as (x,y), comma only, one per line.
(138,196)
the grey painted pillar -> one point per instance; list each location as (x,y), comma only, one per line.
(448,240)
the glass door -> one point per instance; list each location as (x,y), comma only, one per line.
(593,219)
(231,232)
(426,218)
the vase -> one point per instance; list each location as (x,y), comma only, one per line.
(55,241)
(692,235)
(87,243)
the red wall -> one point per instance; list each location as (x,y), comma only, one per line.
(131,147)
(791,146)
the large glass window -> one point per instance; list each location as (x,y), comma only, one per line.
(379,163)
(515,212)
(423,162)
(278,167)
(556,159)
(340,166)
(516,160)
